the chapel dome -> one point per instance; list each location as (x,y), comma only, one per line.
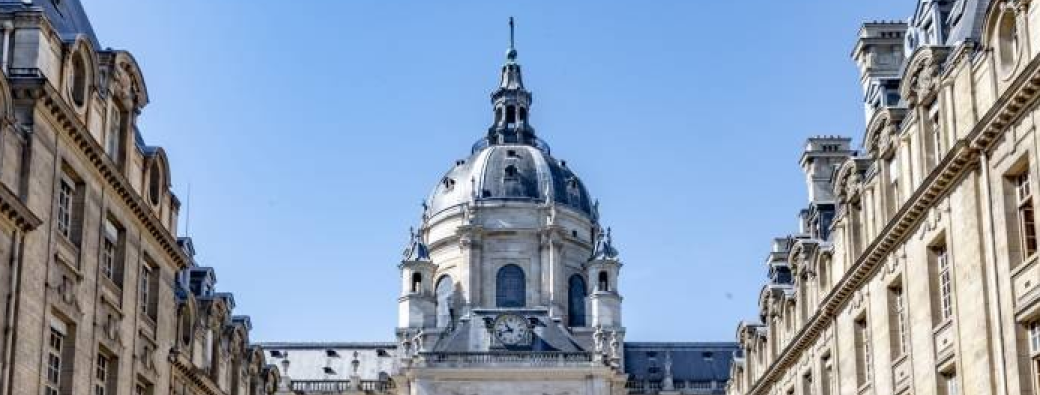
(510,172)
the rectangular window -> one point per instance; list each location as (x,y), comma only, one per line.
(826,376)
(807,385)
(146,292)
(1026,214)
(111,252)
(945,282)
(115,133)
(101,375)
(862,343)
(935,129)
(897,321)
(893,177)
(66,193)
(143,389)
(948,383)
(54,384)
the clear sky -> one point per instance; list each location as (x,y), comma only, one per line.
(311,130)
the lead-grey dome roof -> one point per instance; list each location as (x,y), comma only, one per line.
(510,172)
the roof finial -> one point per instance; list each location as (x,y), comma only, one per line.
(511,53)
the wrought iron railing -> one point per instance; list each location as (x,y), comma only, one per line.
(682,386)
(506,358)
(339,386)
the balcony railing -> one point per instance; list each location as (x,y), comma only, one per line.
(24,72)
(683,387)
(339,386)
(506,358)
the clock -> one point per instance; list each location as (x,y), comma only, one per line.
(511,330)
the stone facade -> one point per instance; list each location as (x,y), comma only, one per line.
(914,268)
(100,296)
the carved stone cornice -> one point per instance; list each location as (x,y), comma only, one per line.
(12,209)
(68,123)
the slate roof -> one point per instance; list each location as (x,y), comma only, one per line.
(702,362)
(69,18)
(483,177)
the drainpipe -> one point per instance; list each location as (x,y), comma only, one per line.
(11,312)
(992,284)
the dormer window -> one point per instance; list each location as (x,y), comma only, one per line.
(331,353)
(448,184)
(511,154)
(276,354)
(329,371)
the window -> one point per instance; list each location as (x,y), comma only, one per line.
(1007,42)
(445,310)
(862,343)
(143,389)
(510,287)
(576,301)
(111,252)
(935,129)
(897,321)
(147,296)
(416,283)
(155,183)
(807,385)
(114,138)
(78,87)
(948,383)
(604,281)
(1026,214)
(893,179)
(1034,337)
(826,375)
(104,375)
(65,192)
(943,283)
(54,383)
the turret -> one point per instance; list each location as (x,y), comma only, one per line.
(511,103)
(416,306)
(602,271)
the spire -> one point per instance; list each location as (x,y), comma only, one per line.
(511,102)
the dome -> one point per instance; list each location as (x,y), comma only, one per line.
(510,172)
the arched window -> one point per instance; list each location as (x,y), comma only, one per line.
(576,301)
(510,115)
(445,312)
(523,114)
(1008,41)
(416,282)
(604,281)
(78,84)
(510,287)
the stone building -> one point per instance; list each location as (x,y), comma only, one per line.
(99,295)
(914,266)
(510,284)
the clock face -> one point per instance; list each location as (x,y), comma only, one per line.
(511,329)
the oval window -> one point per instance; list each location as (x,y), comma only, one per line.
(78,81)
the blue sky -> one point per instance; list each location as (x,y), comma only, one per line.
(310,131)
